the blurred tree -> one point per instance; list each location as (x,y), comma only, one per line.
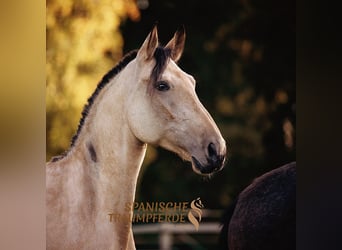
(83,43)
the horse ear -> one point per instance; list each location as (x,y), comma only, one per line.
(150,44)
(176,44)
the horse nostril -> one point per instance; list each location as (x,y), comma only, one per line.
(214,159)
(212,150)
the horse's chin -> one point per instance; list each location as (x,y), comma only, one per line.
(204,169)
(199,168)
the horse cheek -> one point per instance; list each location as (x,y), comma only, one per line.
(143,124)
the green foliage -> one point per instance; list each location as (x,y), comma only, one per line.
(83,42)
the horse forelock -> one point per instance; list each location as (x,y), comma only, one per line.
(162,56)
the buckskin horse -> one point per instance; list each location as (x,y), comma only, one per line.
(145,99)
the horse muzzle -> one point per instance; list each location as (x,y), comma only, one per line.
(214,161)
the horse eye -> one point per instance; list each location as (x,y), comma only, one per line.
(162,86)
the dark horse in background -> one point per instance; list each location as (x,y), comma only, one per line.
(264,215)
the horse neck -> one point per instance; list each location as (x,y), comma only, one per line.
(110,148)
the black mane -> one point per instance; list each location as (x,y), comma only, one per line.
(105,80)
(161,55)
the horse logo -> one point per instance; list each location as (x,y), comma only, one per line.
(196,206)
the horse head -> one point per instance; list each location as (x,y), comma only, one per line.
(164,109)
